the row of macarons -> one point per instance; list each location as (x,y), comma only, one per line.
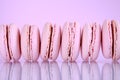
(70,39)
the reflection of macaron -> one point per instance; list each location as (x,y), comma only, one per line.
(90,71)
(30,42)
(10,71)
(91,40)
(70,41)
(70,71)
(50,42)
(50,71)
(111,71)
(9,42)
(31,71)
(111,39)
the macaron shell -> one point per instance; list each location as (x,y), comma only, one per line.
(76,46)
(65,42)
(14,42)
(3,44)
(45,41)
(35,36)
(86,41)
(25,43)
(86,38)
(97,42)
(117,45)
(106,40)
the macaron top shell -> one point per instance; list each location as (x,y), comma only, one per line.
(14,42)
(45,41)
(35,42)
(10,42)
(30,42)
(91,39)
(50,42)
(117,42)
(107,39)
(70,41)
(3,44)
(86,39)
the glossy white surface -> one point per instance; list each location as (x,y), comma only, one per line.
(60,70)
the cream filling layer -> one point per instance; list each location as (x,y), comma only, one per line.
(8,42)
(114,38)
(92,42)
(71,42)
(49,51)
(29,43)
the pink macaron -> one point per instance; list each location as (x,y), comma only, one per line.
(50,42)
(111,39)
(91,40)
(30,42)
(70,41)
(9,42)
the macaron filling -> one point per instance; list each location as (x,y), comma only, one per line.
(50,44)
(7,44)
(51,31)
(52,40)
(69,48)
(29,39)
(114,31)
(92,42)
(30,43)
(71,31)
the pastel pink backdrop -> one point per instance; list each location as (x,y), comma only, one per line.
(38,12)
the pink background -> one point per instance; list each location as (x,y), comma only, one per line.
(39,12)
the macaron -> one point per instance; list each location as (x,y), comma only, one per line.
(30,42)
(111,39)
(9,43)
(91,40)
(50,42)
(70,41)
